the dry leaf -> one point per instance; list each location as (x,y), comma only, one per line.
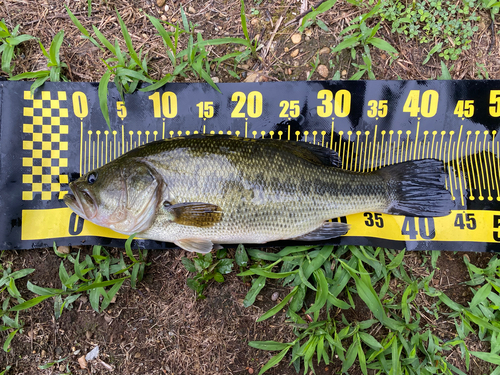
(82,361)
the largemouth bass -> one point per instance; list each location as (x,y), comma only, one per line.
(199,191)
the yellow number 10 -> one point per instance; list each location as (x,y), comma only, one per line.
(167,104)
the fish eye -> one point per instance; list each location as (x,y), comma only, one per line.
(91,178)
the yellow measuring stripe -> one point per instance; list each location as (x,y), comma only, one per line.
(55,223)
(445,228)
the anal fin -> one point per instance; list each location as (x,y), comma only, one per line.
(195,245)
(326,231)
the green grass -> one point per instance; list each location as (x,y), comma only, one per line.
(207,268)
(9,40)
(99,275)
(406,344)
(54,65)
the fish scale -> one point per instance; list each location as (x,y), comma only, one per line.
(220,189)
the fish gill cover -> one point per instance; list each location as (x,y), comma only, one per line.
(53,137)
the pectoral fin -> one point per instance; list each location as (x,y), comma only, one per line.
(326,231)
(195,245)
(195,214)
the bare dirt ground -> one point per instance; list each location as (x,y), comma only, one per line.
(160,328)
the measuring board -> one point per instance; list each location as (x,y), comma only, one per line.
(52,137)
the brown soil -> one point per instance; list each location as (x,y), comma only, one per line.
(160,327)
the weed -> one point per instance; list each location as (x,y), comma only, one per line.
(54,65)
(363,36)
(194,58)
(482,72)
(128,68)
(96,275)
(8,41)
(207,268)
(8,281)
(451,23)
(407,347)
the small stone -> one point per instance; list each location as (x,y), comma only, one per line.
(108,319)
(163,17)
(383,56)
(324,51)
(344,73)
(307,38)
(43,354)
(160,3)
(61,367)
(215,79)
(250,370)
(275,296)
(83,298)
(63,249)
(287,49)
(245,66)
(323,71)
(166,8)
(191,10)
(308,32)
(296,38)
(294,53)
(137,355)
(58,350)
(254,21)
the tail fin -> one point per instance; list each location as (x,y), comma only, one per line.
(417,188)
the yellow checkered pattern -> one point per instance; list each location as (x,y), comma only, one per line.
(45,144)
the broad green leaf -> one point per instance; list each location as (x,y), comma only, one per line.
(322,292)
(346,43)
(259,254)
(369,340)
(481,295)
(225,266)
(188,264)
(103,96)
(128,40)
(274,360)
(271,275)
(488,357)
(101,284)
(9,338)
(268,345)
(55,46)
(396,261)
(257,286)
(31,75)
(21,273)
(103,40)
(350,356)
(480,322)
(298,299)
(241,256)
(383,45)
(168,78)
(43,291)
(30,303)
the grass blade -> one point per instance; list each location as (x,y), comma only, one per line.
(279,306)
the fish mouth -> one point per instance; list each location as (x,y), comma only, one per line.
(81,202)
